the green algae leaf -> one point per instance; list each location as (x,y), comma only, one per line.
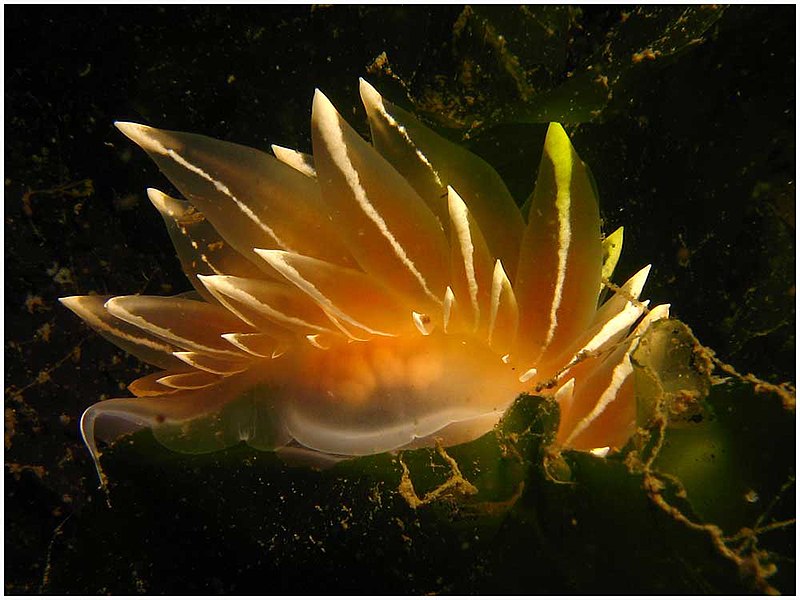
(736,468)
(672,373)
(721,459)
(725,450)
(600,532)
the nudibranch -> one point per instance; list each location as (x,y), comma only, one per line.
(371,298)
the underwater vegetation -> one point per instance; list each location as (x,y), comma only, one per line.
(688,489)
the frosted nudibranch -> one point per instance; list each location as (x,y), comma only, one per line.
(372,297)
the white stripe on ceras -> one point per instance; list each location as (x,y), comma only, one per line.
(224,189)
(157,146)
(563,201)
(528,375)
(422,322)
(216,271)
(369,93)
(224,288)
(449,301)
(500,283)
(630,310)
(333,136)
(113,307)
(656,314)
(194,359)
(304,163)
(564,393)
(564,396)
(276,259)
(621,321)
(459,217)
(318,342)
(630,291)
(235,339)
(351,337)
(158,197)
(174,381)
(621,372)
(97,323)
(238,340)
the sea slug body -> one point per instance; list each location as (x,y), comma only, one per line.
(372,298)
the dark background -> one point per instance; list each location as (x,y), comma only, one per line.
(693,150)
